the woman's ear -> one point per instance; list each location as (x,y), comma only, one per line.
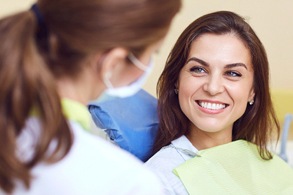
(110,63)
(113,61)
(251,96)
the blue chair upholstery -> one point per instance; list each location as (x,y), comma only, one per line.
(284,137)
(130,122)
(283,103)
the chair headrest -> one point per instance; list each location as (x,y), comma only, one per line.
(130,122)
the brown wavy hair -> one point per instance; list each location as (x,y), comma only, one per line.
(257,123)
(34,51)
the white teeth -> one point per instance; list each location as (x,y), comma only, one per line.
(211,106)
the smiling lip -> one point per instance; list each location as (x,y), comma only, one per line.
(211,107)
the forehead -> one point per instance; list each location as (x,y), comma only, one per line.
(225,48)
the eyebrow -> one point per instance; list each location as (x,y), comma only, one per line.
(207,64)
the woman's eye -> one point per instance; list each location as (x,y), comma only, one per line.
(233,74)
(197,69)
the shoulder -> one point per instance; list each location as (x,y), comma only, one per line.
(115,170)
(172,155)
(108,160)
(162,164)
(93,166)
(166,160)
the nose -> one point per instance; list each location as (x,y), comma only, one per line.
(214,85)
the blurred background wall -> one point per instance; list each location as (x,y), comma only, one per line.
(272,21)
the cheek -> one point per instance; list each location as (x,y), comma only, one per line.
(240,99)
(185,105)
(184,92)
(186,88)
(183,96)
(241,91)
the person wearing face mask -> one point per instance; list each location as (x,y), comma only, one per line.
(133,87)
(126,116)
(55,58)
(216,116)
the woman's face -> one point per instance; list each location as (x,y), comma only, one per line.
(216,83)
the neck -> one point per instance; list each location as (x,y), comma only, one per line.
(82,91)
(204,140)
(68,89)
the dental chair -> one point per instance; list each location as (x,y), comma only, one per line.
(283,103)
(131,123)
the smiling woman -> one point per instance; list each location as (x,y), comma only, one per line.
(215,112)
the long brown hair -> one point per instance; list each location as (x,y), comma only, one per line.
(259,120)
(35,51)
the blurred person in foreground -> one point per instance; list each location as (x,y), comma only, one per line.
(54,59)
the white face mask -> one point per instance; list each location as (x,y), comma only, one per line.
(133,87)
